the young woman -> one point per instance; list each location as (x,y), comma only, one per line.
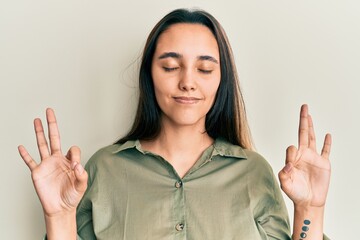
(186,169)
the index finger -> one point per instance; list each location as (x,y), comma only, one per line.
(304,127)
(54,135)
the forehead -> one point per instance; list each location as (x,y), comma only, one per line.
(187,38)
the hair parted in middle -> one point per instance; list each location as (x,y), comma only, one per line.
(226,118)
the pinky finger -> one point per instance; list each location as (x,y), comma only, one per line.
(325,152)
(27,158)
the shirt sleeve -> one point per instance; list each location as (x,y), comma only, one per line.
(267,204)
(272,220)
(84,219)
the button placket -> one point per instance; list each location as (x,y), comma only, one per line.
(179,210)
(178,184)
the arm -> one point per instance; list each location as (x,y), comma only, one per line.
(305,180)
(60,181)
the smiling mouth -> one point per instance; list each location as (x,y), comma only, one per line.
(187,100)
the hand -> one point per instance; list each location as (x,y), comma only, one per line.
(306,176)
(60,181)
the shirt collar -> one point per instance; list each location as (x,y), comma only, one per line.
(221,147)
(127,145)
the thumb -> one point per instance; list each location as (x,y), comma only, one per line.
(286,173)
(291,154)
(74,154)
(81,178)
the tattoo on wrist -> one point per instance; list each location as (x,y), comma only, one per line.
(304,229)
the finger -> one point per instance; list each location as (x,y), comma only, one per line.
(304,127)
(41,140)
(81,178)
(291,153)
(74,154)
(27,158)
(312,139)
(325,152)
(285,178)
(54,135)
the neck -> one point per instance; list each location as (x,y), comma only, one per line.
(181,146)
(184,140)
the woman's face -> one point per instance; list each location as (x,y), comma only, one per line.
(186,73)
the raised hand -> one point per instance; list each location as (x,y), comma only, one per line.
(60,181)
(306,175)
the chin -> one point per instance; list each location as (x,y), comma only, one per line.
(188,122)
(185,119)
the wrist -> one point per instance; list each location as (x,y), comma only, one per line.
(304,209)
(61,226)
(308,222)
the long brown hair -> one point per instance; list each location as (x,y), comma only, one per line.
(227,116)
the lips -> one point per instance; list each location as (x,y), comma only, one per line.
(187,100)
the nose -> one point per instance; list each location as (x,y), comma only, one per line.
(187,81)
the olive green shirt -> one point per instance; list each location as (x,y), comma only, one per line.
(230,193)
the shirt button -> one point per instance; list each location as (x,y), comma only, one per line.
(179,227)
(178,184)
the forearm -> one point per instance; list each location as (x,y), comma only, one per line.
(61,227)
(308,223)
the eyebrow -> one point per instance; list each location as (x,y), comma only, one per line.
(208,58)
(170,55)
(178,55)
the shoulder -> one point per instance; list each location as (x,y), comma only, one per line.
(106,156)
(257,169)
(257,161)
(253,160)
(103,154)
(260,172)
(261,177)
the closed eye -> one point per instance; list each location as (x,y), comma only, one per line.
(167,69)
(205,71)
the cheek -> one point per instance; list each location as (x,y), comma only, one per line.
(212,91)
(212,87)
(157,82)
(162,90)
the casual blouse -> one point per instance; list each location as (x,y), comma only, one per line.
(230,193)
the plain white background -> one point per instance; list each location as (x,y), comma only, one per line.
(81,58)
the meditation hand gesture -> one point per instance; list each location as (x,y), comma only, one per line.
(306,175)
(60,181)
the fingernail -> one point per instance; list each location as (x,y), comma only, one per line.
(73,164)
(79,168)
(287,168)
